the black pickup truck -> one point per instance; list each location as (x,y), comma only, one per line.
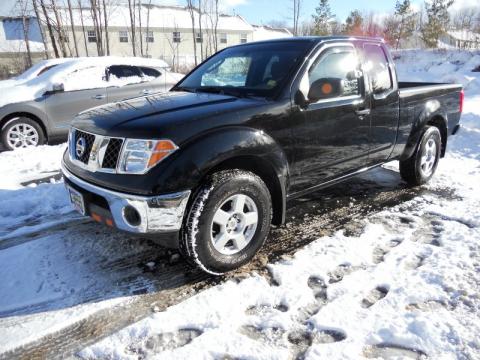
(210,165)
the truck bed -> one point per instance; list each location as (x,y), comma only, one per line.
(408,88)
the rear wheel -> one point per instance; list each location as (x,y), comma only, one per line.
(421,166)
(22,133)
(228,221)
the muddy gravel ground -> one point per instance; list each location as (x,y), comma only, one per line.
(147,278)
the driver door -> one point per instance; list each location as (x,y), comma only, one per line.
(332,134)
(83,89)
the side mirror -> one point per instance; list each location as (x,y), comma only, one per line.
(58,87)
(325,88)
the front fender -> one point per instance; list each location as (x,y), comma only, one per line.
(431,110)
(197,157)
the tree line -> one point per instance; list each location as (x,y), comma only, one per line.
(58,17)
(429,22)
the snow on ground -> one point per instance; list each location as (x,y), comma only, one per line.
(406,286)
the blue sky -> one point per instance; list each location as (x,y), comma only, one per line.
(262,11)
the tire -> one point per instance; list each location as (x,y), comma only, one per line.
(421,166)
(212,233)
(30,134)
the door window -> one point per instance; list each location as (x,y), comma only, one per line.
(92,77)
(121,75)
(150,73)
(376,66)
(337,64)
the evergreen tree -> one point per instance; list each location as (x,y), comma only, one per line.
(401,25)
(437,21)
(322,18)
(354,23)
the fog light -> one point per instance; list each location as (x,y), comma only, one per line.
(131,216)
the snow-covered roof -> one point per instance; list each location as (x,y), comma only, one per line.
(12,36)
(168,17)
(464,35)
(262,32)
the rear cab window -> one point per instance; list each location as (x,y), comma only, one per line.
(378,69)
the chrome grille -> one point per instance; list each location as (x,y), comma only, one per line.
(101,152)
(112,153)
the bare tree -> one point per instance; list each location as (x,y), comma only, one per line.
(59,29)
(42,33)
(192,10)
(23,9)
(140,26)
(200,7)
(96,17)
(464,19)
(50,29)
(131,11)
(149,6)
(297,6)
(174,44)
(80,7)
(216,17)
(72,24)
(105,23)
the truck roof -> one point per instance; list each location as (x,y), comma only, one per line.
(316,39)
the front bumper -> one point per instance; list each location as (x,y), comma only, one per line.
(157,214)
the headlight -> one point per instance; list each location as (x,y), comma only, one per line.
(139,156)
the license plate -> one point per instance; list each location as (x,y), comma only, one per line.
(76,198)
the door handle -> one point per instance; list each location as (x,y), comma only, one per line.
(99,97)
(362,113)
(145,92)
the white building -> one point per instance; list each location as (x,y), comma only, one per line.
(461,39)
(165,33)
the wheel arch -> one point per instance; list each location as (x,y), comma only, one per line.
(10,117)
(441,123)
(437,120)
(266,172)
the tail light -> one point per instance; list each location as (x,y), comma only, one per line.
(462,99)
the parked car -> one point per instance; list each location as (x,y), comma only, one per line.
(36,70)
(207,168)
(40,109)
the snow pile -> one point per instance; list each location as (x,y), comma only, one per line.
(31,204)
(439,66)
(23,165)
(405,287)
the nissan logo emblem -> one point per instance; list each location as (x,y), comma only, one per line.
(80,147)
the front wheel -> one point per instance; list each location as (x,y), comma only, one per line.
(21,133)
(228,221)
(421,166)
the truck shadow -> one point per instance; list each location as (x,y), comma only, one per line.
(85,263)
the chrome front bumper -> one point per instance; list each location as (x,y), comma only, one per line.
(163,213)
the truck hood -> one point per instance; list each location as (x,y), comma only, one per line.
(163,115)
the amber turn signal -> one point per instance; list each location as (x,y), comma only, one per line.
(162,149)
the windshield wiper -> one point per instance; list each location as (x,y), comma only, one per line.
(186,89)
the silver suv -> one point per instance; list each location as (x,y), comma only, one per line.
(40,110)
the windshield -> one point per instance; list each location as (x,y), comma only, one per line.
(250,70)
